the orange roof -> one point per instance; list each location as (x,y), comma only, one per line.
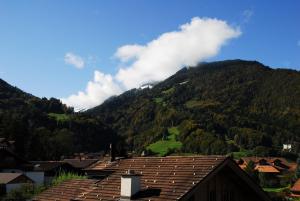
(266,169)
(243,166)
(296,187)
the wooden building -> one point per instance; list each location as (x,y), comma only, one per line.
(195,178)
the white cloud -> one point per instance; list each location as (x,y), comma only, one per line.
(195,41)
(75,60)
(200,39)
(102,87)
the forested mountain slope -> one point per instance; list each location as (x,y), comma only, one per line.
(46,129)
(217,108)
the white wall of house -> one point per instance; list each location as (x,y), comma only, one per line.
(37,177)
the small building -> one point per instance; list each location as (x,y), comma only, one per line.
(194,178)
(11,181)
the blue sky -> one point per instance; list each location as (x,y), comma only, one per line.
(36,36)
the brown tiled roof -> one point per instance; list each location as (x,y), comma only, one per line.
(162,178)
(266,169)
(67,190)
(173,176)
(296,187)
(77,163)
(6,178)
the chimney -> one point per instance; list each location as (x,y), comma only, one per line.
(130,185)
(112,152)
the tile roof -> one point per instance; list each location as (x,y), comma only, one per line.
(5,178)
(266,169)
(67,190)
(172,176)
(162,178)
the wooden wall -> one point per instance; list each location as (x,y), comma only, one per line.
(224,186)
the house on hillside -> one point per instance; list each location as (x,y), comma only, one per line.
(276,165)
(201,178)
(11,181)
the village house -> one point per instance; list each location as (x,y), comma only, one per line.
(11,181)
(12,163)
(203,178)
(272,165)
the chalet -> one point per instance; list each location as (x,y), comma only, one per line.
(10,181)
(201,178)
(274,165)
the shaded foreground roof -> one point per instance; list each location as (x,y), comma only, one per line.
(67,190)
(173,176)
(162,178)
(6,178)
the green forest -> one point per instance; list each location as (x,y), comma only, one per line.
(46,129)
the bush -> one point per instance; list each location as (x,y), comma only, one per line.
(64,176)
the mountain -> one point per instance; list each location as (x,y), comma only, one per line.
(212,108)
(46,129)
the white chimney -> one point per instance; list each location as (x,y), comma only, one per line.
(130,184)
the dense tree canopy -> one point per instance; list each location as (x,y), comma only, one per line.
(47,129)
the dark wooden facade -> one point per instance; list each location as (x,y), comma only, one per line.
(225,185)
